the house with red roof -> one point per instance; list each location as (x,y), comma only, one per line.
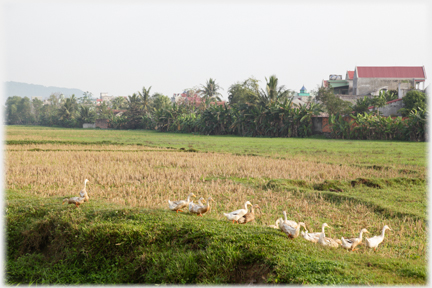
(370,80)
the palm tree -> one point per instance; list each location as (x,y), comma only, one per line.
(379,101)
(210,90)
(118,102)
(159,100)
(67,109)
(134,111)
(145,97)
(86,114)
(134,102)
(273,92)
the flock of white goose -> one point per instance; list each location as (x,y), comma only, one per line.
(243,216)
(289,227)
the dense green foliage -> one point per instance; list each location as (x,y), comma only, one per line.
(413,100)
(374,127)
(244,92)
(18,110)
(275,119)
(251,112)
(361,106)
(333,104)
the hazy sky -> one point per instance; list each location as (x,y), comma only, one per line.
(120,46)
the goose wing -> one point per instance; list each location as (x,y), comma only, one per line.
(373,241)
(291,223)
(174,205)
(289,230)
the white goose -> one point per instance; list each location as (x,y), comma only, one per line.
(74,200)
(199,210)
(326,241)
(290,231)
(351,243)
(83,193)
(193,206)
(373,242)
(178,205)
(235,215)
(312,237)
(276,226)
(289,222)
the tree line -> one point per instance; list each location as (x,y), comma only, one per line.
(250,111)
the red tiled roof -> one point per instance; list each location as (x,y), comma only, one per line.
(350,75)
(406,72)
(396,100)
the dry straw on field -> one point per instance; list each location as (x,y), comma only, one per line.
(149,178)
(90,147)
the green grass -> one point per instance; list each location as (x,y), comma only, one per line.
(397,197)
(50,243)
(362,152)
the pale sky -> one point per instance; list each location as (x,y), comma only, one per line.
(120,46)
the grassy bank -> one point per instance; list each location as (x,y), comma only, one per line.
(100,243)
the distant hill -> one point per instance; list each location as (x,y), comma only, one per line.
(24,89)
